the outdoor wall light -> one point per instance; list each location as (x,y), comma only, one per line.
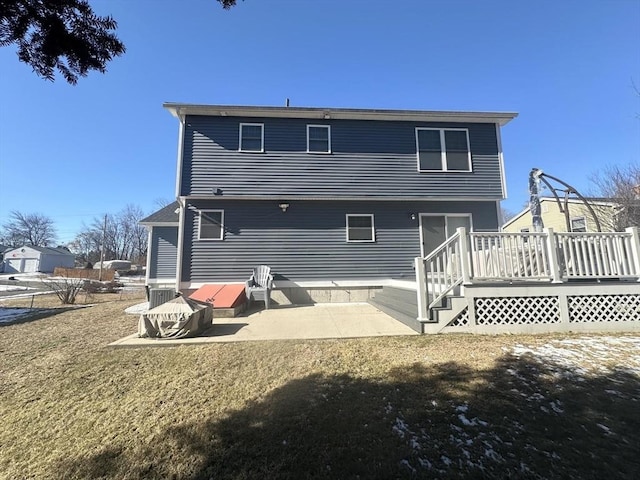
(412,216)
(283,206)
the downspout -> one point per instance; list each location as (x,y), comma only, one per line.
(181,119)
(181,214)
(149,250)
(181,201)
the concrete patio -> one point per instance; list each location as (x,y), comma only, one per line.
(289,323)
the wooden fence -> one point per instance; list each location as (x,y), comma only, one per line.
(88,273)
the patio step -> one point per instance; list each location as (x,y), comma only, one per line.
(399,303)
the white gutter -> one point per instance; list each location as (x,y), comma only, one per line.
(180,155)
(181,213)
(179,110)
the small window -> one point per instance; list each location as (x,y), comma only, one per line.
(360,228)
(578,224)
(211,225)
(319,138)
(525,230)
(251,137)
(441,149)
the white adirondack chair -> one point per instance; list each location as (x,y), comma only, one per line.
(258,287)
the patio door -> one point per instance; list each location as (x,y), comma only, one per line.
(435,229)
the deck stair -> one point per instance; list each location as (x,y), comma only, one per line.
(450,309)
(399,303)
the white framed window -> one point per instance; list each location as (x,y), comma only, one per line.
(578,224)
(360,228)
(443,149)
(525,230)
(252,137)
(318,138)
(210,224)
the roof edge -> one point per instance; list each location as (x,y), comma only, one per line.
(180,109)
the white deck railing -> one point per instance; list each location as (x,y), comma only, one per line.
(472,257)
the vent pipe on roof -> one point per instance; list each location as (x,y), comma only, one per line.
(286,103)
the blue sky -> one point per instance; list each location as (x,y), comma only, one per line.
(76,152)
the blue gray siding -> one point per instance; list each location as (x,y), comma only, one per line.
(368,159)
(308,242)
(164,252)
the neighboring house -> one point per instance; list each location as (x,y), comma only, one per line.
(27,259)
(580,218)
(329,198)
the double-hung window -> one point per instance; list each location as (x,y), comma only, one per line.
(443,149)
(211,225)
(252,137)
(318,139)
(578,224)
(360,228)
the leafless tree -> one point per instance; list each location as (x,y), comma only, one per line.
(621,186)
(28,228)
(161,202)
(506,214)
(124,238)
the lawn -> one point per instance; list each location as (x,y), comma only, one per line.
(454,406)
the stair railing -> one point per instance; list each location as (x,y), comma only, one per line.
(440,272)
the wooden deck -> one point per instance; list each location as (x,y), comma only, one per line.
(493,282)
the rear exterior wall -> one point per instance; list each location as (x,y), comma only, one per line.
(307,243)
(368,159)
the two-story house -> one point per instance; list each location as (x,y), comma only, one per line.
(337,201)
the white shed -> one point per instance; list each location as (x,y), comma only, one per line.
(37,259)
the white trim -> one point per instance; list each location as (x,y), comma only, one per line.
(328,128)
(181,215)
(503,176)
(149,245)
(177,109)
(159,224)
(443,149)
(446,225)
(180,155)
(373,229)
(206,210)
(261,125)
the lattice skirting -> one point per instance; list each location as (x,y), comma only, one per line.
(461,320)
(517,310)
(604,308)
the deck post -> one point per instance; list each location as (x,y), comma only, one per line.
(465,264)
(554,264)
(422,292)
(635,249)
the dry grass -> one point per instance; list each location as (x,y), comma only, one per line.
(369,408)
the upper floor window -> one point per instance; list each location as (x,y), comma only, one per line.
(360,228)
(443,149)
(578,224)
(319,138)
(252,137)
(211,225)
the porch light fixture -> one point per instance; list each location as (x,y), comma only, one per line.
(412,216)
(283,206)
